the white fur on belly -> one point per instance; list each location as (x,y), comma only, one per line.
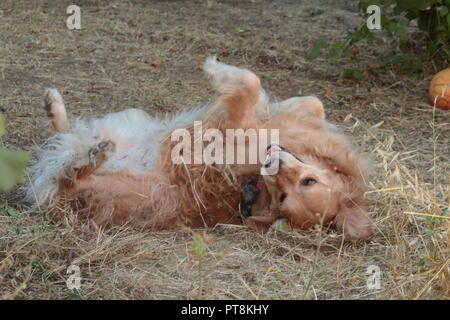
(137,137)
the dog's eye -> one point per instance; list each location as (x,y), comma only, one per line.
(282,197)
(308,181)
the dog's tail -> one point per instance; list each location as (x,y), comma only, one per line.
(239,91)
(56,111)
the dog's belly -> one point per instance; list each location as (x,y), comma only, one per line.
(137,137)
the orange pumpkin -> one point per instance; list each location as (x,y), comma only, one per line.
(440,89)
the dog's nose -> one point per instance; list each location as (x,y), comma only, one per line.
(271,161)
(271,148)
(271,166)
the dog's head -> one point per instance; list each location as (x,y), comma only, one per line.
(310,191)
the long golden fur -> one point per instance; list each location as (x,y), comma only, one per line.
(103,177)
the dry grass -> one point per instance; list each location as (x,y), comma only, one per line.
(145,54)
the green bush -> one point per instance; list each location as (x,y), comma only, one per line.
(12,164)
(433,20)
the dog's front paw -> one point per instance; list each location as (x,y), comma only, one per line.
(81,169)
(99,153)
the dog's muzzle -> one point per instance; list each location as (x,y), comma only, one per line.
(274,162)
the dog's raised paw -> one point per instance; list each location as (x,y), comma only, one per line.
(99,152)
(52,97)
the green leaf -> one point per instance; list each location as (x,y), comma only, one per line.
(240,29)
(315,51)
(12,164)
(403,5)
(396,59)
(437,220)
(421,262)
(430,219)
(334,54)
(370,37)
(2,125)
(352,74)
(318,11)
(446,212)
(198,245)
(10,212)
(413,67)
(392,26)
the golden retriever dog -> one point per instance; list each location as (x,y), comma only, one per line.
(120,168)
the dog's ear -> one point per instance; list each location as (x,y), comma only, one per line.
(261,224)
(353,219)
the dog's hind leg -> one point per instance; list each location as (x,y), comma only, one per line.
(307,106)
(56,111)
(239,89)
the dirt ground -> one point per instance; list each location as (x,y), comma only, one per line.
(147,54)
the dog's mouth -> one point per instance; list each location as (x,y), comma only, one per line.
(273,148)
(274,161)
(271,159)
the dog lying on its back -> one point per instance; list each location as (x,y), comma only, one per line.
(119,168)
